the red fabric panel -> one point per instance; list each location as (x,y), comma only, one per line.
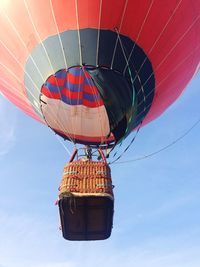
(65,14)
(92,104)
(49,94)
(75,79)
(72,95)
(56,81)
(23,27)
(87,138)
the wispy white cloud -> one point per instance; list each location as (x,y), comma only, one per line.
(7,127)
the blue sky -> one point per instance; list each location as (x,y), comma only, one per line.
(157,200)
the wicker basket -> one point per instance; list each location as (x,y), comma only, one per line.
(86,200)
(86,178)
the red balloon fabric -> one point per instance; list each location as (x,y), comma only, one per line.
(40,38)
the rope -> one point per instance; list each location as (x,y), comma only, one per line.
(139,33)
(133,139)
(163,148)
(103,138)
(13,27)
(116,43)
(167,76)
(160,34)
(98,36)
(64,146)
(78,27)
(19,93)
(38,35)
(59,37)
(144,101)
(171,50)
(50,63)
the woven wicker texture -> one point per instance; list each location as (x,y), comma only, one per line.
(86,177)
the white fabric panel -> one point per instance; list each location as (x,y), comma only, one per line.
(76,119)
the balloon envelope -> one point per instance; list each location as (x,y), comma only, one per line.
(94,70)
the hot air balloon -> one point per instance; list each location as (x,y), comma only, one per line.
(94,71)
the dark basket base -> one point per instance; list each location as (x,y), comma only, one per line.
(86,217)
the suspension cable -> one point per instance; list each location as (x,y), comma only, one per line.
(162,148)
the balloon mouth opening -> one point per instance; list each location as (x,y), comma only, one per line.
(73,108)
(118,91)
(88,104)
